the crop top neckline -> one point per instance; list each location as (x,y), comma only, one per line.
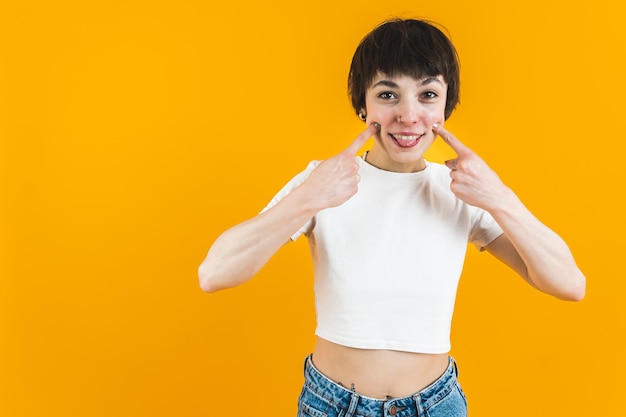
(370,169)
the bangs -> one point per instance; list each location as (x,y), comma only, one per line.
(395,52)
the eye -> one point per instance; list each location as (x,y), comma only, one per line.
(429,95)
(387,95)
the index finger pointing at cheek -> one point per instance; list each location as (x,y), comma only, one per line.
(361,139)
(451,140)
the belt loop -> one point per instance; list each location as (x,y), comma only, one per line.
(456,367)
(354,401)
(418,405)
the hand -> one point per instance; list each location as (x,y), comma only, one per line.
(336,179)
(473,181)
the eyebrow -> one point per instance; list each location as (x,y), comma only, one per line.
(391,84)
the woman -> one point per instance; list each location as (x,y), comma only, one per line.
(388,233)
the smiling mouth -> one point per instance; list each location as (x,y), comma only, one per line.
(406,141)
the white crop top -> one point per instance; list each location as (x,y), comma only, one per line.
(387,262)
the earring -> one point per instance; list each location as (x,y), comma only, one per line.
(362,115)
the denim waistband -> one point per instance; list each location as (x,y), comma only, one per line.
(412,405)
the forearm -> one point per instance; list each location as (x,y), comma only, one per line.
(240,252)
(549,263)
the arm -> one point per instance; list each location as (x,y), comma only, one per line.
(528,246)
(240,252)
(537,253)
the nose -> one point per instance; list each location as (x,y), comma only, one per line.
(409,112)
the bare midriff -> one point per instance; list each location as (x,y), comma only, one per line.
(378,373)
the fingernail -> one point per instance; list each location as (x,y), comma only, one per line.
(435,125)
(377,125)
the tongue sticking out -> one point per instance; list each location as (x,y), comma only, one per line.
(407,141)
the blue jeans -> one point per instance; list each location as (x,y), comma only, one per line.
(322,397)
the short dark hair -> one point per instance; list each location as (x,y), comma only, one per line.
(404,47)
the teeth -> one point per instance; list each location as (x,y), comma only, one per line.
(405,137)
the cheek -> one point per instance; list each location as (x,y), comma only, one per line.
(435,115)
(380,115)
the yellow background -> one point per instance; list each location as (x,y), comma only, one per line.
(133,132)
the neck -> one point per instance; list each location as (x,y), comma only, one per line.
(387,164)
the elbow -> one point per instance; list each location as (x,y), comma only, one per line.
(213,276)
(579,293)
(206,279)
(576,291)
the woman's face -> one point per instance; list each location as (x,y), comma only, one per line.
(406,109)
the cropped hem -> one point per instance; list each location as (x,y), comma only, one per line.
(402,346)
